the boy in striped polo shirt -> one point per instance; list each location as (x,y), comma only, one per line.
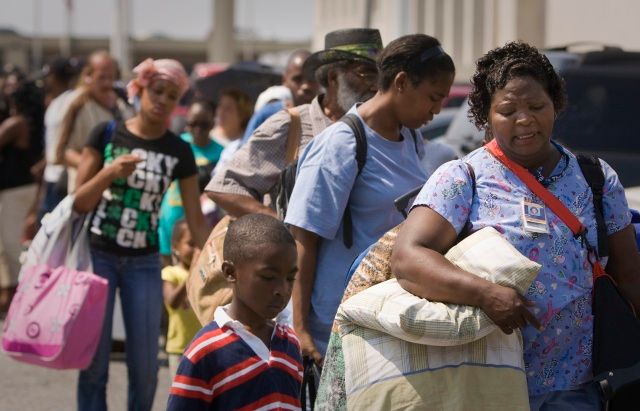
(243,360)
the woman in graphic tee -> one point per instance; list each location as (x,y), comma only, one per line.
(125,169)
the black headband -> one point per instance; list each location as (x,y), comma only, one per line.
(430,53)
(419,59)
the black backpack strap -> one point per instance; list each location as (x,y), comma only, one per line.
(592,171)
(353,121)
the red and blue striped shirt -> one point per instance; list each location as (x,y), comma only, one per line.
(226,367)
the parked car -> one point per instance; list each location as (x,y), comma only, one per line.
(439,125)
(602,88)
(457,95)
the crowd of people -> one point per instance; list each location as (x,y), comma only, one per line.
(349,115)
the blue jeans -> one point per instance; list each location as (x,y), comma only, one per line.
(586,398)
(140,284)
(52,197)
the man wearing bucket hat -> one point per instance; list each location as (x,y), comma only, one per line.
(346,69)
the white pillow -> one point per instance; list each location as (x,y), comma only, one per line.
(388,308)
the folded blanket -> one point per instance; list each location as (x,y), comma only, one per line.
(393,350)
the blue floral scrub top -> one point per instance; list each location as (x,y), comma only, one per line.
(559,357)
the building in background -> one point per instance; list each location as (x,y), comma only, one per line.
(16,48)
(469,28)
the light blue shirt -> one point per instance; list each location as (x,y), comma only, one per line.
(326,181)
(559,357)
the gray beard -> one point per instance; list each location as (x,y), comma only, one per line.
(347,96)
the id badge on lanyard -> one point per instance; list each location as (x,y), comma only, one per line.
(534,217)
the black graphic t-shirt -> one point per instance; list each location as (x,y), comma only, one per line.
(126,218)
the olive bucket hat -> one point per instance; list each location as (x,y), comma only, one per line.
(345,45)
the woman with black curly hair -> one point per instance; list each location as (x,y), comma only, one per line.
(516,98)
(21,143)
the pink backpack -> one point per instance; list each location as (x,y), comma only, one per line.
(55,319)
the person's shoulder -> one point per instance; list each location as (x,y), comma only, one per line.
(74,95)
(276,121)
(338,134)
(479,157)
(272,128)
(61,100)
(202,339)
(186,136)
(172,140)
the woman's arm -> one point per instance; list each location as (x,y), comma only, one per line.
(93,179)
(14,130)
(307,245)
(238,204)
(421,268)
(72,158)
(624,264)
(193,212)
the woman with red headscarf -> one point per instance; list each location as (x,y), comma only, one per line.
(124,171)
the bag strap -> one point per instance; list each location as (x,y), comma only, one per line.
(593,173)
(552,202)
(353,121)
(309,383)
(538,189)
(293,136)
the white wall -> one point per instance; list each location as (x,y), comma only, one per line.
(614,22)
(470,28)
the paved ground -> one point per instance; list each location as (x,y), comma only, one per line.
(29,388)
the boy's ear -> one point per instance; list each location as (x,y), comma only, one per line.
(229,271)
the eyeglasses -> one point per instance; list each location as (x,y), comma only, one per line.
(369,76)
(201,124)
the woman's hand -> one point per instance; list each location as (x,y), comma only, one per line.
(124,166)
(308,347)
(93,179)
(507,309)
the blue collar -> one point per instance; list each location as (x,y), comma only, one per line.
(558,171)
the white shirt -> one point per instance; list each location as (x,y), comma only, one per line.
(53,121)
(221,318)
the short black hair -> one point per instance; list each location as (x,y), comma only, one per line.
(63,69)
(28,101)
(179,228)
(299,53)
(498,66)
(403,54)
(250,231)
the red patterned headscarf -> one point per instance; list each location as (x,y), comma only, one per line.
(150,70)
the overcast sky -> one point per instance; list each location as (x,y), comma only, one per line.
(187,19)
